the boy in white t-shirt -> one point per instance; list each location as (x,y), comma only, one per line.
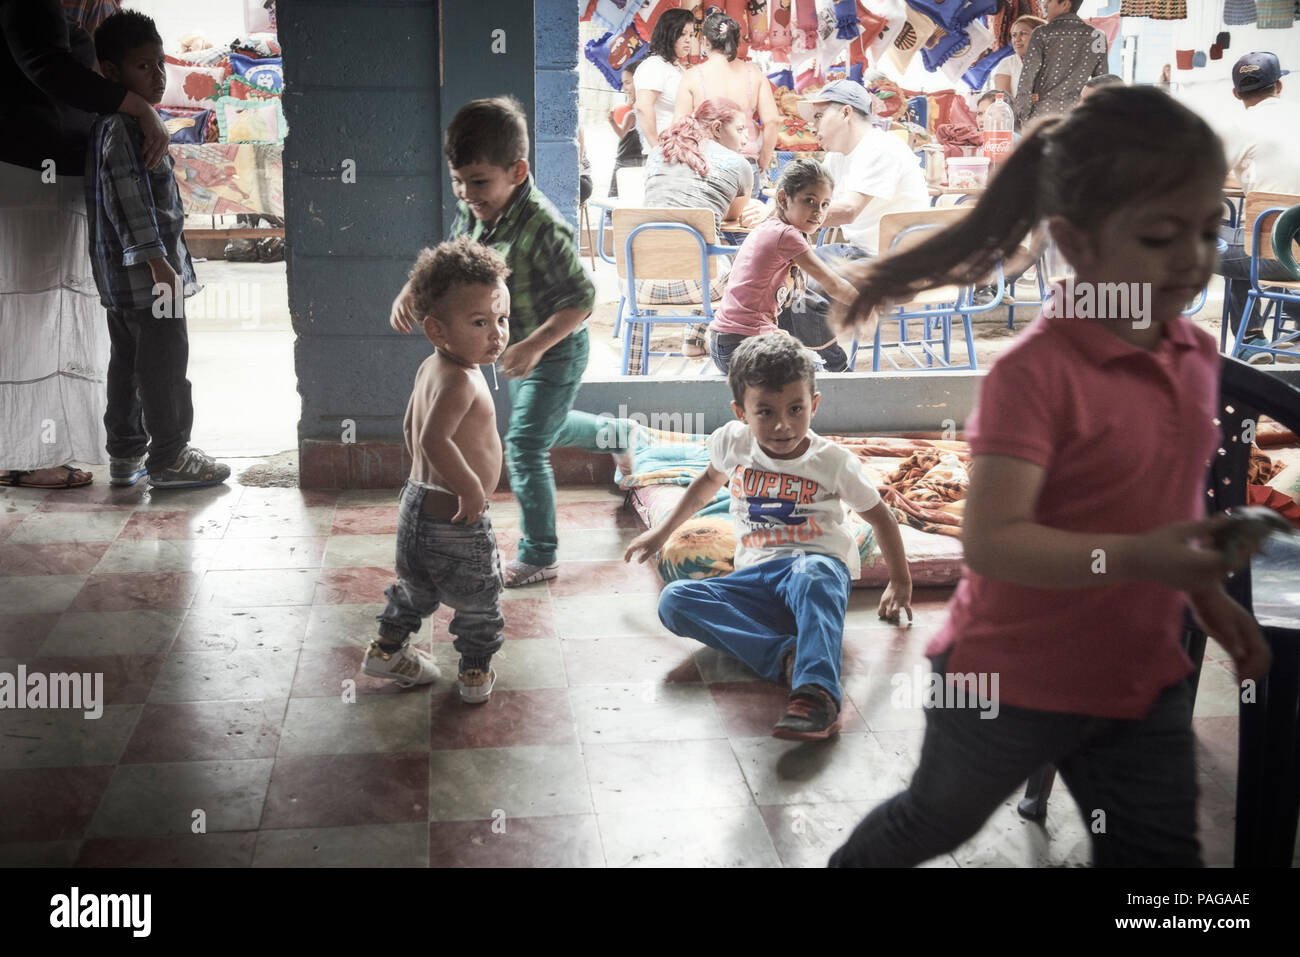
(782,610)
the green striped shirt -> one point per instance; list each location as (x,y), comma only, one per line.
(546,273)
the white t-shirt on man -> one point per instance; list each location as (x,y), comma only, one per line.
(1263,147)
(882,167)
(1011,67)
(779,506)
(656,73)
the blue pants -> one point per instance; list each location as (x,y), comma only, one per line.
(756,613)
(1234,267)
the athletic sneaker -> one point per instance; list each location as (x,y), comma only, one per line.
(811,715)
(1251,354)
(191,469)
(519,573)
(125,471)
(476,685)
(406,666)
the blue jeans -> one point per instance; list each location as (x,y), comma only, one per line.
(1139,774)
(756,613)
(439,562)
(540,403)
(1234,267)
(808,323)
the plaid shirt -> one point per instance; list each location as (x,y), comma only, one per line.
(546,274)
(133,215)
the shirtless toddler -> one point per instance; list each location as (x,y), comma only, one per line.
(446,549)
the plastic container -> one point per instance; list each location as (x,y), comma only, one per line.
(966,172)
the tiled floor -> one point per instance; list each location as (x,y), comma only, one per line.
(228,625)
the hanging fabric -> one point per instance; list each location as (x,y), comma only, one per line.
(1274,14)
(1239,13)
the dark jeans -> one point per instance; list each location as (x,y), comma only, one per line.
(439,562)
(721,346)
(149,404)
(1234,267)
(1134,782)
(805,318)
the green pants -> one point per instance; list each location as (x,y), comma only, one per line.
(541,418)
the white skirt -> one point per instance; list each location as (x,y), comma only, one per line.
(53,331)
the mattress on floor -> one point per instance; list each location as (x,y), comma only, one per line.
(932,559)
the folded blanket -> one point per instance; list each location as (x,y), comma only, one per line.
(954,136)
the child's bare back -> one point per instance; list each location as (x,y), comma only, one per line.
(445,390)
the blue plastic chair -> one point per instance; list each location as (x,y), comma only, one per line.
(1258,213)
(670,244)
(935,309)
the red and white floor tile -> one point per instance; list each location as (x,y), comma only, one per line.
(228,624)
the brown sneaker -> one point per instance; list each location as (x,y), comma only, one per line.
(811,715)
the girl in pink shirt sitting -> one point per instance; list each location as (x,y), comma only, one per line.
(1085,534)
(767,276)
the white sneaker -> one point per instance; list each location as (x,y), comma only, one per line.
(475,685)
(407,666)
(517,573)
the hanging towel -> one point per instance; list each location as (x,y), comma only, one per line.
(1238,13)
(1274,14)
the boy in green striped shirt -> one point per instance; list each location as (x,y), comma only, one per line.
(551,295)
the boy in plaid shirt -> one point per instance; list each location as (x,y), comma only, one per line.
(144,272)
(551,295)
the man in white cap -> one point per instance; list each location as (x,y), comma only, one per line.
(1263,150)
(875,173)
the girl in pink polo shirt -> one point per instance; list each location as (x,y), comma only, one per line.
(768,273)
(1085,533)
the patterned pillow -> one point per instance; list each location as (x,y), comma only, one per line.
(265,74)
(699,548)
(238,87)
(186,126)
(249,121)
(192,87)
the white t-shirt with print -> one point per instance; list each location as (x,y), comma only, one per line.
(882,167)
(779,506)
(656,73)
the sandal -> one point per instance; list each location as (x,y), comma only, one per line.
(15,479)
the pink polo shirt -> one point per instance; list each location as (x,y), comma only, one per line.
(759,274)
(1126,438)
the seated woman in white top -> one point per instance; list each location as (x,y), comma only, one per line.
(697,165)
(659,74)
(1006,75)
(722,75)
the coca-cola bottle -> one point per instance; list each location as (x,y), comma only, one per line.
(999,122)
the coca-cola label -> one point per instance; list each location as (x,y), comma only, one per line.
(997,145)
